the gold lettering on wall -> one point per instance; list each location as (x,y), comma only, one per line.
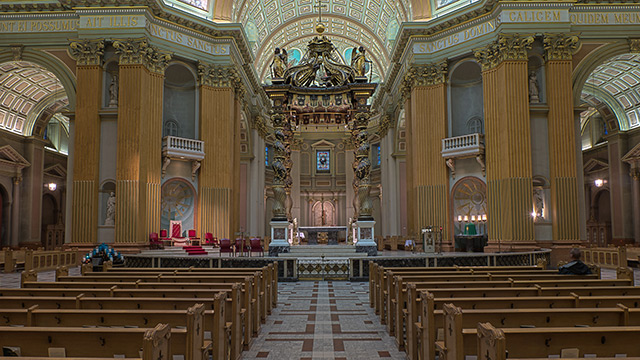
(453,39)
(115,21)
(189,41)
(526,16)
(26,26)
(609,18)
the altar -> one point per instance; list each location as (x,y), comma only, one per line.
(331,231)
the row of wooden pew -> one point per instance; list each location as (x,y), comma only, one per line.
(188,313)
(498,312)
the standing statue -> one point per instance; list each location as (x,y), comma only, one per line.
(538,202)
(113,90)
(359,61)
(279,63)
(534,90)
(111,210)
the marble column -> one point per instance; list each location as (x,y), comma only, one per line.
(139,140)
(86,130)
(428,128)
(349,158)
(32,189)
(256,175)
(218,87)
(620,189)
(562,138)
(411,213)
(15,212)
(295,182)
(508,140)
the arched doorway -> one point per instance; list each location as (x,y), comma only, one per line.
(323,213)
(52,229)
(599,226)
(469,204)
(178,204)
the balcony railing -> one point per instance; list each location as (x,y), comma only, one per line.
(463,146)
(182,148)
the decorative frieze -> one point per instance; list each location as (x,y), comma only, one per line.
(506,47)
(87,52)
(221,76)
(560,46)
(139,51)
(424,75)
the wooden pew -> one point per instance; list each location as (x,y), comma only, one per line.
(94,342)
(454,319)
(213,320)
(494,344)
(397,295)
(231,312)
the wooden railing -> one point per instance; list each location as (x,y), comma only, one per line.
(606,257)
(39,259)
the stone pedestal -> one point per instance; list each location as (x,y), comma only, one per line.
(279,238)
(366,242)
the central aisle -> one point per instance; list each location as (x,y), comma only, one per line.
(323,320)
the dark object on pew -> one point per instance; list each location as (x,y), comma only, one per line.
(470,243)
(575,267)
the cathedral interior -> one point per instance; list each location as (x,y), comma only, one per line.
(119,117)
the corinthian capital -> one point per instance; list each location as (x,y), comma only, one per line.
(221,76)
(139,51)
(514,46)
(634,45)
(424,75)
(488,57)
(87,52)
(560,46)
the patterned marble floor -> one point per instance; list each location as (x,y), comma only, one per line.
(323,320)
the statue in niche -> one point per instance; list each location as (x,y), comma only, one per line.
(113,90)
(111,210)
(279,63)
(534,90)
(538,202)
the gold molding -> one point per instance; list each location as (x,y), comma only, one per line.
(560,46)
(506,47)
(424,75)
(221,76)
(87,52)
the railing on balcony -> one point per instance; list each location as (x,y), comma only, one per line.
(182,148)
(463,146)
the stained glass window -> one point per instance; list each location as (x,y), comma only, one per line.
(378,160)
(322,160)
(266,156)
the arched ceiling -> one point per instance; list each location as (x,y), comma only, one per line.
(289,23)
(619,80)
(26,88)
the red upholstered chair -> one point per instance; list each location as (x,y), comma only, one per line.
(242,246)
(155,242)
(225,246)
(193,237)
(176,229)
(210,240)
(256,247)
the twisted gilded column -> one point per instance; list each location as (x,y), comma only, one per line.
(362,167)
(562,138)
(281,166)
(427,122)
(86,162)
(139,143)
(220,88)
(508,139)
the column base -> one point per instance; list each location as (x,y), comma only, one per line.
(279,237)
(366,242)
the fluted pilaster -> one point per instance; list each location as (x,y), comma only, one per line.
(508,138)
(88,55)
(562,139)
(138,169)
(219,127)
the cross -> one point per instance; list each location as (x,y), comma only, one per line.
(319,7)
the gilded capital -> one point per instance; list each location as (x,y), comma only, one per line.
(261,126)
(560,46)
(385,125)
(424,75)
(488,57)
(514,46)
(87,52)
(139,51)
(221,76)
(634,45)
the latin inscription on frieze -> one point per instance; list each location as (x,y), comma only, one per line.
(473,32)
(188,41)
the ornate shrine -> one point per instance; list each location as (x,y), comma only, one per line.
(324,92)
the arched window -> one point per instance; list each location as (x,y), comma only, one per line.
(171,128)
(474,125)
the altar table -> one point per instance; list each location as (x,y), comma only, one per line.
(332,233)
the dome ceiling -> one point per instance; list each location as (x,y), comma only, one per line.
(24,87)
(619,78)
(290,23)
